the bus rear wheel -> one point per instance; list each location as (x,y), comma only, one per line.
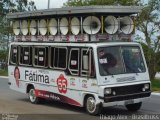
(134,107)
(32,96)
(91,107)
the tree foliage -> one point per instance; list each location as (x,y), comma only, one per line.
(100,2)
(3,55)
(6,6)
(148,25)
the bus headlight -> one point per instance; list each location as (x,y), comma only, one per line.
(146,86)
(107,91)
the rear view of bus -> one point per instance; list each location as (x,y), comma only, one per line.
(83,56)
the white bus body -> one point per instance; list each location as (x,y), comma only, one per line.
(74,55)
(106,79)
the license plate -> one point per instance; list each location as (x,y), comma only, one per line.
(129,102)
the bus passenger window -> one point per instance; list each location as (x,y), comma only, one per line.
(60,58)
(85,62)
(92,66)
(26,55)
(74,62)
(14,54)
(52,57)
(40,56)
(87,66)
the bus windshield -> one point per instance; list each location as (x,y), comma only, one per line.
(120,60)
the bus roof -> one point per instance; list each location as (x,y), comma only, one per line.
(119,10)
(75,44)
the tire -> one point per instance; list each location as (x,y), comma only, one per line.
(32,98)
(91,107)
(134,107)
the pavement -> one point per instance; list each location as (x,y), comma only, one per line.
(156,93)
(4,77)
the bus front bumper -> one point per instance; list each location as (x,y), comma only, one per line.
(124,99)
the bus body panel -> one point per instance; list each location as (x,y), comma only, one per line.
(57,85)
(48,81)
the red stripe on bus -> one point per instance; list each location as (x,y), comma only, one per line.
(57,97)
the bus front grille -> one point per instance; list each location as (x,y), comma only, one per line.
(127,97)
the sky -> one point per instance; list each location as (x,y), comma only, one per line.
(43,4)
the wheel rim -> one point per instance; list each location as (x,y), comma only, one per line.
(91,104)
(32,95)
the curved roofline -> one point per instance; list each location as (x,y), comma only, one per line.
(76,11)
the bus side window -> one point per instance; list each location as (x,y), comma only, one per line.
(51,57)
(60,58)
(74,61)
(14,55)
(84,62)
(92,65)
(87,63)
(41,56)
(26,55)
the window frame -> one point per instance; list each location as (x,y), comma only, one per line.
(85,71)
(122,59)
(122,48)
(58,68)
(31,60)
(70,70)
(11,53)
(38,51)
(90,57)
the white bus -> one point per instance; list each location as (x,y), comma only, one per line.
(89,74)
(85,74)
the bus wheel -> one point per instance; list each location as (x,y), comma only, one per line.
(91,106)
(134,107)
(32,97)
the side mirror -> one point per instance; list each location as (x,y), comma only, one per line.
(85,62)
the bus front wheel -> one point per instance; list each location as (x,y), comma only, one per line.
(32,96)
(134,107)
(91,107)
